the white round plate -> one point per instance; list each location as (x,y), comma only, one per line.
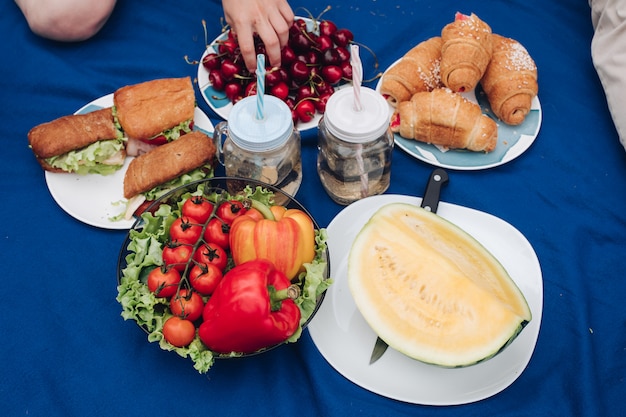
(93,198)
(218,102)
(512,140)
(344,338)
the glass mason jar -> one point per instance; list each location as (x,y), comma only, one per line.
(266,150)
(355,146)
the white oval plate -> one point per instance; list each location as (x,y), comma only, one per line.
(513,141)
(344,338)
(92,198)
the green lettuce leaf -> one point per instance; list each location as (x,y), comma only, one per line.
(89,160)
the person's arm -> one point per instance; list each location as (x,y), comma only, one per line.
(66,20)
(270,19)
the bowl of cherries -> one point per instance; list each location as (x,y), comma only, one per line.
(314,63)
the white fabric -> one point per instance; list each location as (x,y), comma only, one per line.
(608,50)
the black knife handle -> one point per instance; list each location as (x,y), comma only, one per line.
(438,178)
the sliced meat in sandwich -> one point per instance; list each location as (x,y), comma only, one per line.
(80,143)
(151,175)
(155,112)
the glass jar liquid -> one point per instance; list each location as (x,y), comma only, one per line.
(266,150)
(354,146)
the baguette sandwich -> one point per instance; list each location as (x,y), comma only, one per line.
(154,112)
(80,143)
(153,174)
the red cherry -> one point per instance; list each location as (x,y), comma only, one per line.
(343,54)
(251,89)
(230,69)
(232,90)
(305,92)
(322,87)
(299,71)
(312,57)
(305,110)
(332,74)
(331,57)
(273,77)
(290,102)
(284,75)
(280,90)
(300,42)
(300,24)
(211,61)
(322,100)
(327,27)
(228,47)
(216,79)
(342,37)
(287,55)
(324,42)
(346,70)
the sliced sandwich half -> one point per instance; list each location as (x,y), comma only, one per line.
(180,162)
(82,143)
(154,112)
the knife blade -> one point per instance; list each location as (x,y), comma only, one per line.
(438,178)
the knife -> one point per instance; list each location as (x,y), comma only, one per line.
(430,201)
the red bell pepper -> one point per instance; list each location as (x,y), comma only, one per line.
(250,310)
(286,237)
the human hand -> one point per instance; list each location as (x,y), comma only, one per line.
(270,19)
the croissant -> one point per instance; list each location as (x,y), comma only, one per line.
(417,70)
(465,53)
(444,118)
(510,81)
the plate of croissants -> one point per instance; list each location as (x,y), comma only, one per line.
(465,100)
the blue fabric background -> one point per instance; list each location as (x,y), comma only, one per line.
(65,350)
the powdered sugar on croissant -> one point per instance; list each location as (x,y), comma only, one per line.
(418,70)
(465,53)
(510,81)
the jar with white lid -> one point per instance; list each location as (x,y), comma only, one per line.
(266,149)
(355,146)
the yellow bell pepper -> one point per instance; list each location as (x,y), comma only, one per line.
(286,237)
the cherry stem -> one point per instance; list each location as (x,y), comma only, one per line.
(187,60)
(319,17)
(206,39)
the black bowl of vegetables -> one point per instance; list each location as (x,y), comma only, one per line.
(223,268)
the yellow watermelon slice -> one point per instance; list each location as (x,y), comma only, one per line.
(431,291)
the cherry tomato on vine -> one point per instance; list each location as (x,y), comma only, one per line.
(230,210)
(163,282)
(179,332)
(185,229)
(205,277)
(218,232)
(187,305)
(197,207)
(177,255)
(210,253)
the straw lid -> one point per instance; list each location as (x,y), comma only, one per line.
(346,123)
(265,134)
